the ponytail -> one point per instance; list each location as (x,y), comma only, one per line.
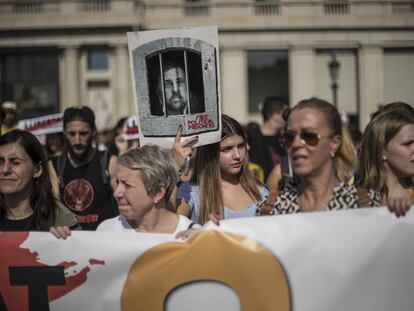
(346,159)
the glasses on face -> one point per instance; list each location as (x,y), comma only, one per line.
(307,137)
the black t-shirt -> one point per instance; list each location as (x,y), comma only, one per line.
(16,225)
(86,193)
(265,151)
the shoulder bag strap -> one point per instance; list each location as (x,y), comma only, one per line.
(363,198)
(103,158)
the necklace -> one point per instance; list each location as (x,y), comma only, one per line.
(24,215)
(88,159)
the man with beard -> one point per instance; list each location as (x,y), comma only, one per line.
(175,83)
(175,89)
(84,177)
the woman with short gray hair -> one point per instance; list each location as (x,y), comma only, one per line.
(146,178)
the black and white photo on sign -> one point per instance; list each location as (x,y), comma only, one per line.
(175,81)
(175,78)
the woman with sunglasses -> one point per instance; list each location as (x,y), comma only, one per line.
(283,171)
(387,156)
(225,188)
(26,199)
(322,161)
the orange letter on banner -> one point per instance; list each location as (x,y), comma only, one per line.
(253,272)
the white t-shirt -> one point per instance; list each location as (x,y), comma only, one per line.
(119,223)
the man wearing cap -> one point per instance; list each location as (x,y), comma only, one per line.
(83,176)
(8,116)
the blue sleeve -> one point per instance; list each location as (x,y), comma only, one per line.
(183,191)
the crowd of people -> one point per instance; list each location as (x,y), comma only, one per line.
(302,159)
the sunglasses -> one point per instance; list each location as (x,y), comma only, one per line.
(307,137)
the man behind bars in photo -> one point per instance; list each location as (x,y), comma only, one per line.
(181,96)
(175,89)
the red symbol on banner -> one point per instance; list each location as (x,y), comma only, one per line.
(16,298)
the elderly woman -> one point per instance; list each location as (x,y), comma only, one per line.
(26,199)
(320,160)
(387,156)
(146,179)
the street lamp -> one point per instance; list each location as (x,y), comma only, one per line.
(334,67)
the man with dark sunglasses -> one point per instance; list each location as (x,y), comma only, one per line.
(264,141)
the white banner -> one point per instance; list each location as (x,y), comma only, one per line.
(49,124)
(348,260)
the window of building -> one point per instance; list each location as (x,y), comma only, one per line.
(31,80)
(94,5)
(336,7)
(196,7)
(266,7)
(98,59)
(28,7)
(267,76)
(402,7)
(398,75)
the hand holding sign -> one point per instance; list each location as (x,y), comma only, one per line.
(182,149)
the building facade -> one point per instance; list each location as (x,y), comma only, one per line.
(59,53)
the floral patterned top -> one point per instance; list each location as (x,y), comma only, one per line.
(344,197)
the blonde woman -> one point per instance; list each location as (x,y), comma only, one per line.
(146,179)
(321,162)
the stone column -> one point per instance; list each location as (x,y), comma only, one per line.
(69,77)
(124,100)
(371,73)
(234,97)
(302,73)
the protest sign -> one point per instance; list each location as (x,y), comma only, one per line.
(345,260)
(52,123)
(176,80)
(130,129)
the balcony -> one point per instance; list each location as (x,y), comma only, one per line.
(226,14)
(336,7)
(282,14)
(49,14)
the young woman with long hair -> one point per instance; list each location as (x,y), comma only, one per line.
(224,186)
(387,156)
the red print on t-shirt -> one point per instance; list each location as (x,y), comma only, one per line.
(78,195)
